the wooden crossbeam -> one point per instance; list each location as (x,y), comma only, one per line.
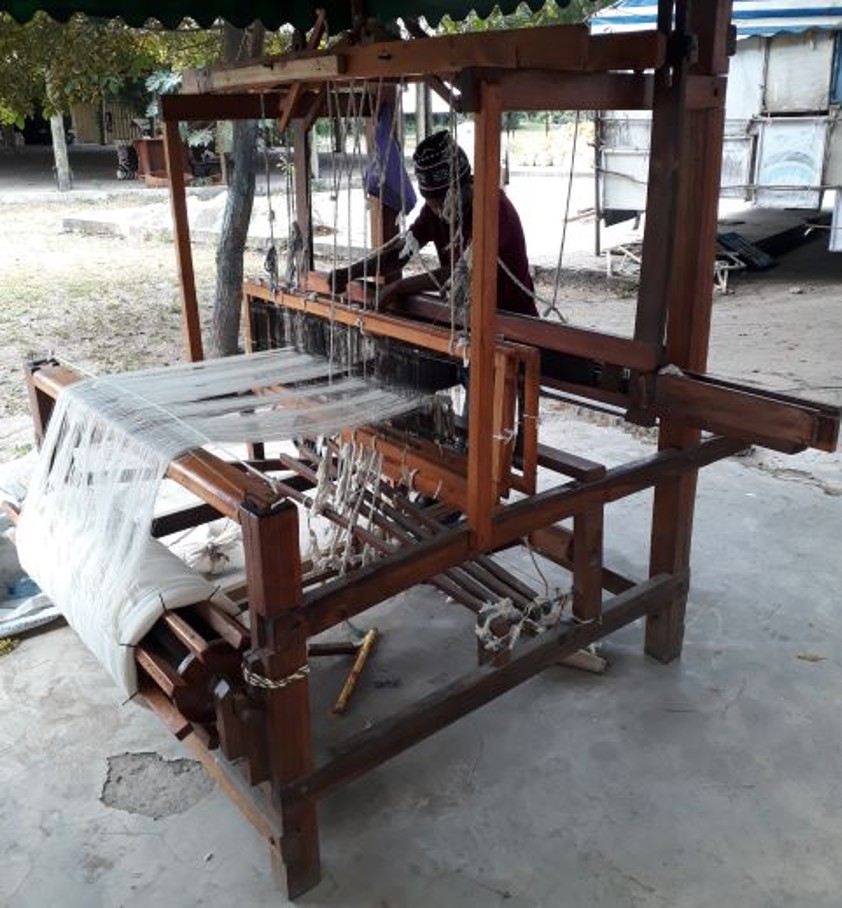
(434,712)
(777,421)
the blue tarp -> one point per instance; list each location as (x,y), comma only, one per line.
(752,17)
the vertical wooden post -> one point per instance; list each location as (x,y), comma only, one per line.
(587,564)
(689,314)
(40,404)
(279,655)
(190,327)
(665,148)
(486,228)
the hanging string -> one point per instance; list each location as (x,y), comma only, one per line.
(382,176)
(398,115)
(335,175)
(270,263)
(334,109)
(296,244)
(553,309)
(359,158)
(530,292)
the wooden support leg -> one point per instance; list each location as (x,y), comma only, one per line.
(279,662)
(689,315)
(587,564)
(672,528)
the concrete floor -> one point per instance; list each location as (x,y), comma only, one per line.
(715,781)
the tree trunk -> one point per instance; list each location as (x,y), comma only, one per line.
(61,161)
(225,324)
(423,112)
(64,179)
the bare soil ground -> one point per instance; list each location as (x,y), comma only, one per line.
(108,304)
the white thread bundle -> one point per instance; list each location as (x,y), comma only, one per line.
(85,524)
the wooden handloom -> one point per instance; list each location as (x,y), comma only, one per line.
(257,741)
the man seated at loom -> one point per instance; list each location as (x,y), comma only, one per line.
(445,181)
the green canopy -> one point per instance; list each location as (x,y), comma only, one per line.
(273,13)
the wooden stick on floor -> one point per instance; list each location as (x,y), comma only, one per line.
(365,650)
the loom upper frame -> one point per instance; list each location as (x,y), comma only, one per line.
(679,73)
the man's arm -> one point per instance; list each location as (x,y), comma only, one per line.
(384,260)
(390,297)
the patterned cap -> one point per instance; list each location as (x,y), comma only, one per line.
(439,161)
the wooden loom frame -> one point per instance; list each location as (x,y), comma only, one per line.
(678,73)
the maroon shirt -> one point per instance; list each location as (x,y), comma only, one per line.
(428,227)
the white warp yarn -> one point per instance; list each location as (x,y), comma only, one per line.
(84,530)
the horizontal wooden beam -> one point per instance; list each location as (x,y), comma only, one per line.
(538,89)
(777,421)
(52,379)
(374,746)
(345,597)
(559,49)
(522,517)
(597,345)
(521,89)
(427,336)
(548,335)
(264,74)
(568,464)
(635,51)
(563,48)
(240,105)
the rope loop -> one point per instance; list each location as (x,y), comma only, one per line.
(254,679)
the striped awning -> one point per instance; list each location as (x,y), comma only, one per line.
(752,17)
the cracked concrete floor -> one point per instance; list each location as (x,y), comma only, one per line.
(713,781)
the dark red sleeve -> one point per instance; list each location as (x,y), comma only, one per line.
(428,227)
(423,227)
(513,295)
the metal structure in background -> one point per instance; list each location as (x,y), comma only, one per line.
(782,146)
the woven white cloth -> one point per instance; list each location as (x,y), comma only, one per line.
(162,582)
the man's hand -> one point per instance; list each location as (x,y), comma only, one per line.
(338,279)
(388,295)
